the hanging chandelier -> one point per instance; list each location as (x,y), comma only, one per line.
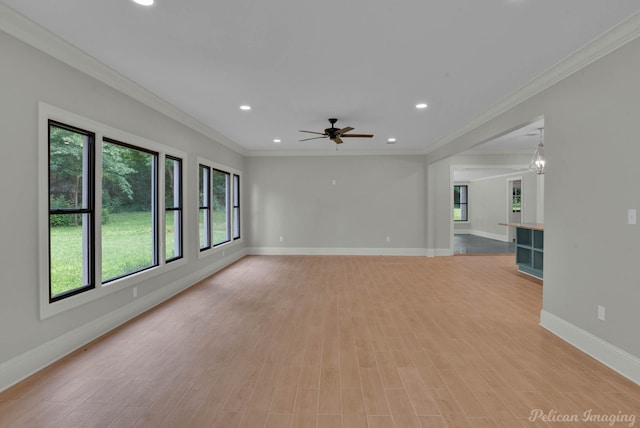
(537,162)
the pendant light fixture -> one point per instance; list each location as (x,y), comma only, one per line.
(538,161)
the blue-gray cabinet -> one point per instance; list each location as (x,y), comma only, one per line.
(529,247)
(530,251)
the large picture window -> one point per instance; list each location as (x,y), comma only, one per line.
(71,211)
(129,209)
(101,210)
(460,203)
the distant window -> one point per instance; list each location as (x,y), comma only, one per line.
(516,200)
(219,205)
(460,203)
(173,208)
(205,207)
(236,206)
(220,194)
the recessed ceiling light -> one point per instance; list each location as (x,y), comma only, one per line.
(421,105)
(245,107)
(144,2)
(277,140)
(391,140)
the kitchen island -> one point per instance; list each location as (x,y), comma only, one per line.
(529,247)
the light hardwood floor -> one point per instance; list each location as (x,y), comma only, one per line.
(331,342)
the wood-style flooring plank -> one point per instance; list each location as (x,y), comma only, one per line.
(329,341)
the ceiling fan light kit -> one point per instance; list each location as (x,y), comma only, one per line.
(335,134)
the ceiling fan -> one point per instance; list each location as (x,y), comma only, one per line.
(336,134)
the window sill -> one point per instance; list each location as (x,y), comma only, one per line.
(48,310)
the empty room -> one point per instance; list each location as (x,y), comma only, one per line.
(319,214)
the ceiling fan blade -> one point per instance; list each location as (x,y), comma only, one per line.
(313,132)
(338,140)
(312,138)
(358,135)
(343,130)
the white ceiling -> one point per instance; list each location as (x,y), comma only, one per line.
(297,63)
(522,141)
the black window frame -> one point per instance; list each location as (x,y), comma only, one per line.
(204,188)
(516,195)
(236,207)
(90,211)
(227,206)
(175,209)
(155,208)
(460,203)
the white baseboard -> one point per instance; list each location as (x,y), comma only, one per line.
(611,356)
(489,235)
(439,252)
(317,251)
(28,363)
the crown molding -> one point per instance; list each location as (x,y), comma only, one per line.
(618,36)
(377,152)
(27,31)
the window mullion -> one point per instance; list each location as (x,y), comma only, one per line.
(97,198)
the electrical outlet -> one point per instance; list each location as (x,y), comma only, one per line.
(281,239)
(135,292)
(601,312)
(631,216)
(388,239)
(333,182)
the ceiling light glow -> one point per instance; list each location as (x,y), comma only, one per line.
(277,140)
(245,107)
(421,105)
(144,2)
(391,140)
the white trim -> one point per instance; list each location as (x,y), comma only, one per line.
(38,37)
(442,252)
(315,251)
(511,231)
(509,174)
(333,152)
(461,231)
(611,356)
(24,365)
(618,36)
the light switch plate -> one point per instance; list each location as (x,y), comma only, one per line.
(631,216)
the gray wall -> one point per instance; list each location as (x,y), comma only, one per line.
(489,204)
(439,189)
(591,144)
(28,76)
(374,197)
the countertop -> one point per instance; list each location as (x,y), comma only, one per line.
(533,226)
